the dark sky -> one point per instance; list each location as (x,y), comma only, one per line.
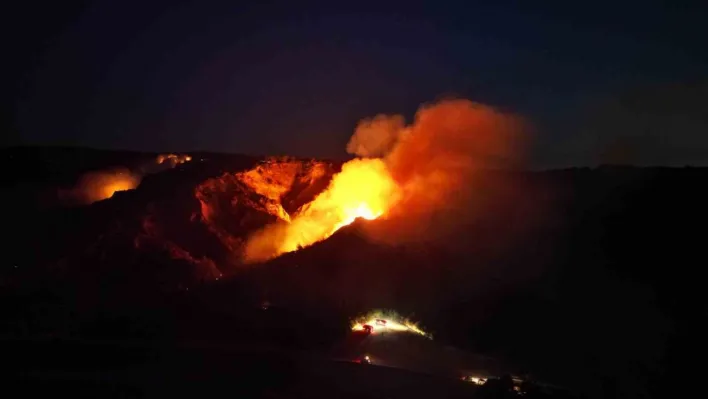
(600,81)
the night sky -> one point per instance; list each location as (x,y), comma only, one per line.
(601,82)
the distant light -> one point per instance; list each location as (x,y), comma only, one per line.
(476,380)
(386,324)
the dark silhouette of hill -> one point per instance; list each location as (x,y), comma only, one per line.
(589,278)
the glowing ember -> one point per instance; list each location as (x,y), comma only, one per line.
(387,322)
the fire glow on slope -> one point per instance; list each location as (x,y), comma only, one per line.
(363,189)
(96,186)
(118,182)
(103,184)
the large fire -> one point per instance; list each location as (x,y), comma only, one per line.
(363,189)
(413,174)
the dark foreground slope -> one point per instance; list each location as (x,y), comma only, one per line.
(585,277)
(129,370)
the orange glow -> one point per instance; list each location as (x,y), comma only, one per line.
(173,159)
(363,189)
(96,186)
(117,183)
(422,179)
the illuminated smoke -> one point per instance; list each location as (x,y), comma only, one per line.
(96,186)
(363,189)
(376,137)
(420,177)
(438,163)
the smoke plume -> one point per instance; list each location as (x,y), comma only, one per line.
(437,161)
(421,178)
(375,137)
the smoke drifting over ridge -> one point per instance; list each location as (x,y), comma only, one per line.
(437,161)
(376,137)
(419,176)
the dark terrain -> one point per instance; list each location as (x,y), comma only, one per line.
(586,278)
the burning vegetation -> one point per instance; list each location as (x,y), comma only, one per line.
(409,173)
(363,189)
(235,204)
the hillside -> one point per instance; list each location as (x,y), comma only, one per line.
(550,258)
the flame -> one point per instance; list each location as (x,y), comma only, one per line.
(363,189)
(426,170)
(173,159)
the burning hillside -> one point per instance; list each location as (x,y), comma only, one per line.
(213,216)
(413,173)
(363,189)
(103,184)
(418,178)
(176,231)
(234,205)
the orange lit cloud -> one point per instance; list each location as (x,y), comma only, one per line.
(419,176)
